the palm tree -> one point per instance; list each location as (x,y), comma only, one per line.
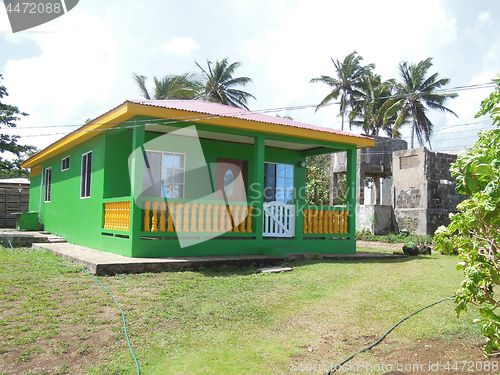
(368,113)
(351,77)
(219,85)
(173,86)
(415,95)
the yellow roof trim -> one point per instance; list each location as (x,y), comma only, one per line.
(128,110)
(82,134)
(256,126)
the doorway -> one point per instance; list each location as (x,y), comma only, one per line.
(231,180)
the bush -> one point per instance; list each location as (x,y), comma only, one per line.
(474,232)
(365,235)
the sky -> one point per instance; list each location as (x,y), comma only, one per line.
(79,66)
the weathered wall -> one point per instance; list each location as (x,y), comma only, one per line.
(375,218)
(373,162)
(13,198)
(423,191)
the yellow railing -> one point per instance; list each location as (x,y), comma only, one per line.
(325,221)
(196,217)
(117,215)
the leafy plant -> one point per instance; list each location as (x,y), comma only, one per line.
(366,235)
(474,232)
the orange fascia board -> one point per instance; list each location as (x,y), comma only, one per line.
(128,110)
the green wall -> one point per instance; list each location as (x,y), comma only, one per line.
(80,221)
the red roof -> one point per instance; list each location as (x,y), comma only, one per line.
(221,110)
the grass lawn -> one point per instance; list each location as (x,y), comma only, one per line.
(54,319)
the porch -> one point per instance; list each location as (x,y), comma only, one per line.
(210,190)
(191,178)
(173,220)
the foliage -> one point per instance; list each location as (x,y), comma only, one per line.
(415,95)
(349,83)
(9,115)
(366,235)
(368,113)
(318,180)
(220,84)
(183,87)
(216,85)
(474,232)
(490,104)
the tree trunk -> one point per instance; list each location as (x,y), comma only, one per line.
(413,125)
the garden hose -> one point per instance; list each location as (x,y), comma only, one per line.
(123,317)
(335,368)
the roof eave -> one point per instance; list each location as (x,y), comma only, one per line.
(129,109)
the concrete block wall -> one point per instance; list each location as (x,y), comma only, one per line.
(423,191)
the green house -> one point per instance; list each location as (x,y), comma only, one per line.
(157,178)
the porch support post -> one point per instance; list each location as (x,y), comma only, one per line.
(138,138)
(351,193)
(256,197)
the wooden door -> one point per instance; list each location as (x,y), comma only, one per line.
(231,180)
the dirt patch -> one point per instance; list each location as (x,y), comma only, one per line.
(379,245)
(65,334)
(427,356)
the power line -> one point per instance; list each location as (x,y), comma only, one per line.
(278,109)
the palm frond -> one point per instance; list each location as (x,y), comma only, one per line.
(141,83)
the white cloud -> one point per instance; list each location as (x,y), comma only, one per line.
(178,45)
(85,65)
(75,69)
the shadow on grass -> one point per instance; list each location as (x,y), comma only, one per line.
(225,272)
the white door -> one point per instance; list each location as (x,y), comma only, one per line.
(279,220)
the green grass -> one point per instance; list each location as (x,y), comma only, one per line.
(221,322)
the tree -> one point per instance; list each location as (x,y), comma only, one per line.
(349,83)
(368,113)
(415,95)
(490,104)
(474,232)
(318,182)
(9,115)
(183,87)
(220,85)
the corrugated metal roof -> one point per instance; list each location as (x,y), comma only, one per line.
(220,110)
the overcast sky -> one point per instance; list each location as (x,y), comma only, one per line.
(79,65)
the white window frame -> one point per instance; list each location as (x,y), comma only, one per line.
(62,164)
(86,189)
(173,153)
(47,184)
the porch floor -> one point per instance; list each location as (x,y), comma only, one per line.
(103,263)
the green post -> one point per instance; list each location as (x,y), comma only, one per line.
(300,201)
(351,195)
(138,137)
(256,197)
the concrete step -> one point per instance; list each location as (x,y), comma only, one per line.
(56,239)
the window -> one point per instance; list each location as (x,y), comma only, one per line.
(65,164)
(164,174)
(86,175)
(278,183)
(48,183)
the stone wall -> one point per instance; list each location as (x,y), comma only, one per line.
(373,162)
(423,191)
